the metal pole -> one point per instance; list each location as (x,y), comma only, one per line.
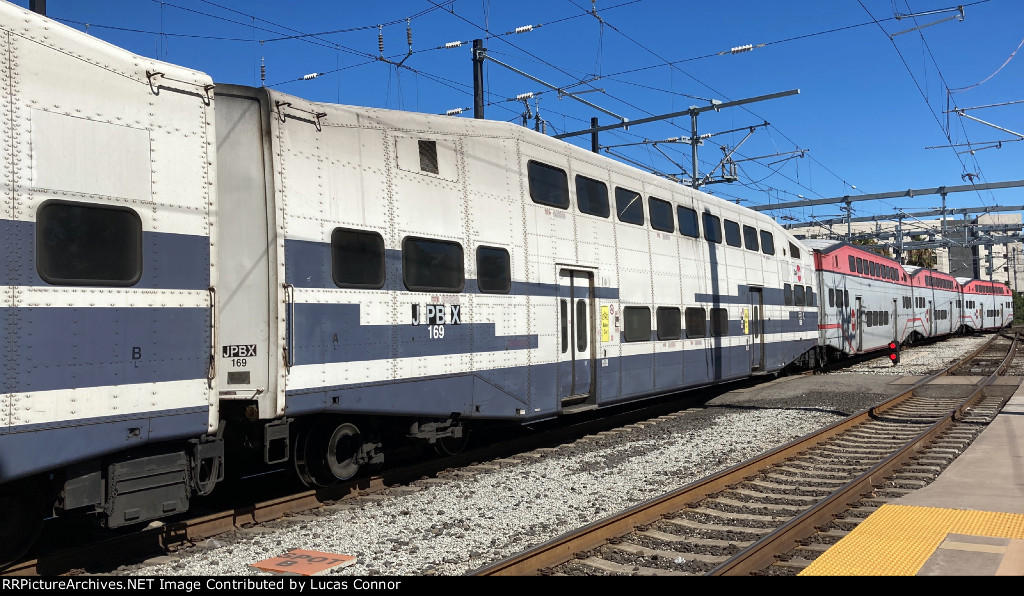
(478,78)
(693,146)
(594,146)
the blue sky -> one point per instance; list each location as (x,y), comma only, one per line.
(870,109)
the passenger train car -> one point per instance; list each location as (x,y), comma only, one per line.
(868,301)
(203,278)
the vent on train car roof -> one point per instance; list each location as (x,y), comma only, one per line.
(428,156)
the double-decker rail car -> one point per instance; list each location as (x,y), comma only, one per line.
(105,391)
(935,302)
(986,305)
(863,299)
(417,273)
(199,276)
(204,279)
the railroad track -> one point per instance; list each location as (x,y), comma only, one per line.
(775,514)
(113,548)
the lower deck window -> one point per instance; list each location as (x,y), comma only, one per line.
(432,265)
(669,323)
(636,323)
(81,244)
(696,322)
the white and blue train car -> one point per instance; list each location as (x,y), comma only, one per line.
(382,267)
(107,328)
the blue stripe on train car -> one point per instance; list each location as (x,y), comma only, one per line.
(65,348)
(499,393)
(308,265)
(332,333)
(169,261)
(27,449)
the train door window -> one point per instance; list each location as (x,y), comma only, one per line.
(548,185)
(79,244)
(493,270)
(565,325)
(688,222)
(357,258)
(712,228)
(810,296)
(636,323)
(757,321)
(794,251)
(629,205)
(592,196)
(787,294)
(719,322)
(798,295)
(853,263)
(581,325)
(860,265)
(661,214)
(696,324)
(831,297)
(732,233)
(432,265)
(750,238)
(846,297)
(767,243)
(669,323)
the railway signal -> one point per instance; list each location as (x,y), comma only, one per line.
(894,352)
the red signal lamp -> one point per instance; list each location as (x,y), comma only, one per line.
(894,352)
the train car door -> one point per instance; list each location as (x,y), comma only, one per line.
(756,329)
(246,294)
(929,314)
(576,350)
(859,312)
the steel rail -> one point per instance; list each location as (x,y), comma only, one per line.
(563,548)
(762,553)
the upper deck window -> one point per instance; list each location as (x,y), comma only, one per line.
(548,185)
(629,205)
(688,222)
(592,196)
(732,233)
(661,214)
(712,228)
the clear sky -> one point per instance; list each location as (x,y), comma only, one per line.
(871,115)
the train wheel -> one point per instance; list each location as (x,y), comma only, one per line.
(450,445)
(328,453)
(22,511)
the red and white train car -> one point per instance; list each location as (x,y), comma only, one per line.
(935,303)
(986,304)
(862,305)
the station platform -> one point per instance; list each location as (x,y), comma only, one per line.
(968,522)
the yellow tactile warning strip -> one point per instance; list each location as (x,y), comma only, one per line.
(899,539)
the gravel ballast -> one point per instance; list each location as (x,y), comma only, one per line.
(459,522)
